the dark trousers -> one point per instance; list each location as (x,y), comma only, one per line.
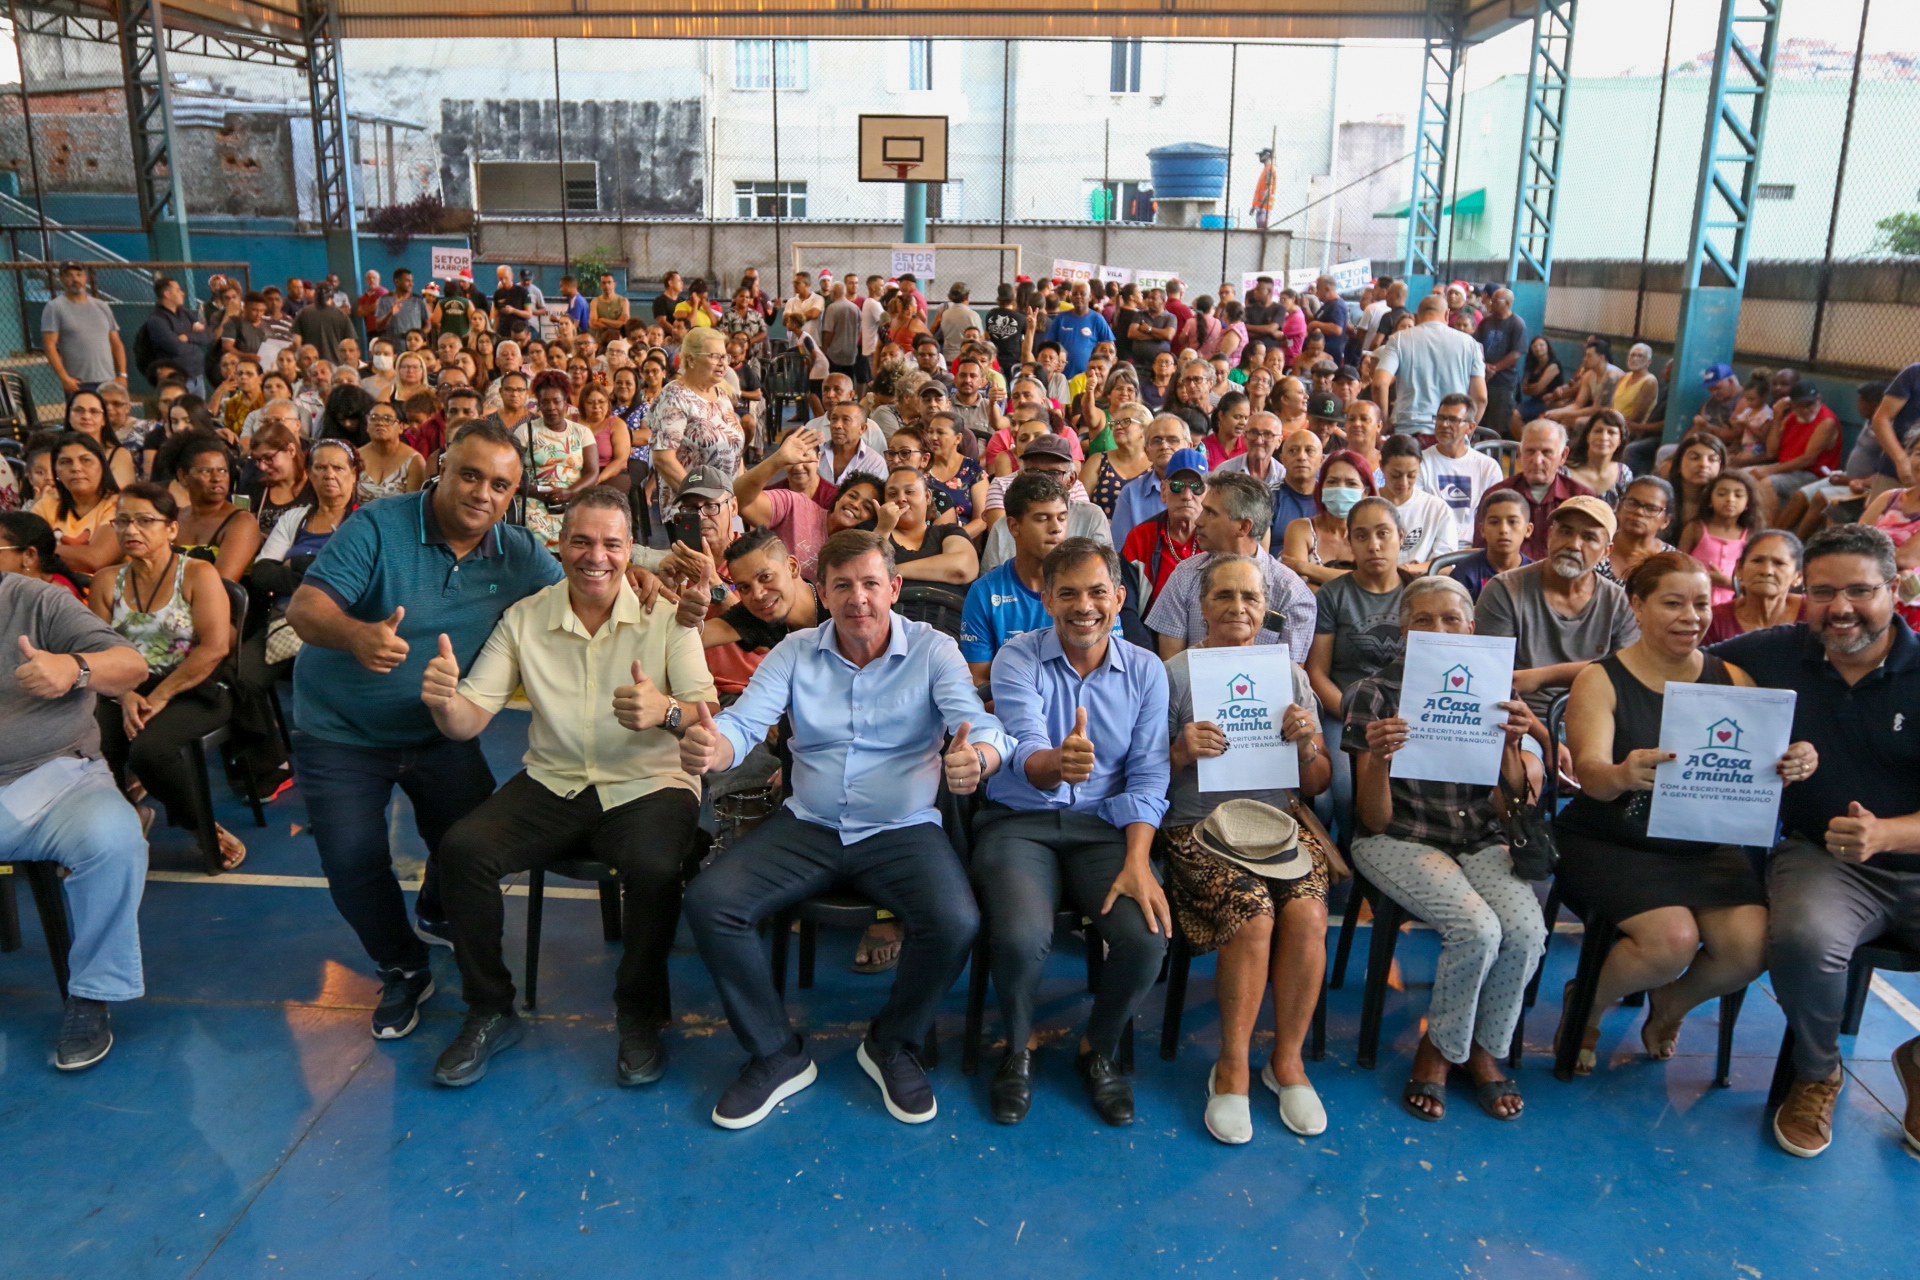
(1819,910)
(522,826)
(154,756)
(1499,411)
(1021,862)
(347,789)
(912,872)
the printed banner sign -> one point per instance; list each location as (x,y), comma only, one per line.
(1724,787)
(1156,279)
(449,263)
(1246,691)
(1348,277)
(1072,271)
(1118,275)
(915,258)
(1455,730)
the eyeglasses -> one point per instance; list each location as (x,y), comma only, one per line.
(902,453)
(1858,593)
(1646,508)
(705,508)
(381,417)
(1180,488)
(124,523)
(1195,382)
(1448,417)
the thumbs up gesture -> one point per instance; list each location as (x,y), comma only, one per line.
(640,705)
(962,763)
(700,744)
(1858,836)
(378,645)
(1076,753)
(43,674)
(441,684)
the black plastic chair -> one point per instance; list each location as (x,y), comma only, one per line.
(934,603)
(1180,964)
(573,869)
(1881,953)
(221,740)
(43,878)
(1505,452)
(1440,562)
(979,973)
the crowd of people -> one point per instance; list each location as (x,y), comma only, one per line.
(935,572)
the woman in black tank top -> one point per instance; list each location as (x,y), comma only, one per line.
(1693,914)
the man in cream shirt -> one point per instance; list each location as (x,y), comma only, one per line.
(611,686)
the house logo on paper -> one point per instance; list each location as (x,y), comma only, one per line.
(1240,689)
(1244,711)
(1457,679)
(1723,735)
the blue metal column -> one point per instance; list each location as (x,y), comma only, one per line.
(157,182)
(333,162)
(1716,274)
(1543,133)
(1433,135)
(914,228)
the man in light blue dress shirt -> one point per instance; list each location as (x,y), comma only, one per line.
(1076,808)
(870,697)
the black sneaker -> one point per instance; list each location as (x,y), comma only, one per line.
(764,1085)
(435,933)
(643,1058)
(401,995)
(86,1034)
(481,1036)
(902,1080)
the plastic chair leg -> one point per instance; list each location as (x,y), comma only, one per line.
(1730,1005)
(782,933)
(610,910)
(1517,1046)
(1859,983)
(536,908)
(1179,965)
(809,944)
(1386,937)
(1349,921)
(976,1004)
(1595,945)
(51,900)
(1783,1072)
(10,939)
(247,788)
(204,832)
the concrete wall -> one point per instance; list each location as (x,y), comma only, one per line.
(244,168)
(650,156)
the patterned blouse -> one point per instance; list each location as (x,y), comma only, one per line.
(702,432)
(164,637)
(960,488)
(559,460)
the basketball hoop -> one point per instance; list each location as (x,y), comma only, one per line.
(902,170)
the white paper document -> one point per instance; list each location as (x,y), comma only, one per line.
(1455,729)
(1246,691)
(1724,788)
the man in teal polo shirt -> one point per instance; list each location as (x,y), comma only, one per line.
(397,576)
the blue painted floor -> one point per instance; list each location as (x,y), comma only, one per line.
(247,1125)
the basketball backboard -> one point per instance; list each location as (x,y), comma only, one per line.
(903,148)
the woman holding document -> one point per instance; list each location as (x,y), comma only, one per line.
(1693,913)
(1270,925)
(1438,849)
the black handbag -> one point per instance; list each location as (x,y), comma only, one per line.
(1530,839)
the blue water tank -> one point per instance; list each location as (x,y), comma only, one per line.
(1188,171)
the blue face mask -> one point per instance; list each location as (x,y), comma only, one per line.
(1341,501)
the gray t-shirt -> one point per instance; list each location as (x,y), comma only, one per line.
(1186,803)
(84,330)
(1365,626)
(952,326)
(1428,361)
(1513,604)
(843,318)
(35,730)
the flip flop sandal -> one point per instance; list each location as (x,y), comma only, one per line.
(228,842)
(148,815)
(1491,1092)
(880,958)
(1424,1089)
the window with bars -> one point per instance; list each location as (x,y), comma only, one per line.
(770,199)
(1124,75)
(517,186)
(1773,191)
(754,64)
(919,64)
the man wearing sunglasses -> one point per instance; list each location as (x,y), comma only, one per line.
(1848,870)
(1192,402)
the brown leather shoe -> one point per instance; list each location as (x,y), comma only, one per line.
(1906,1064)
(1803,1126)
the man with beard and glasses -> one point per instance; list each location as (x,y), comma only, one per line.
(1848,871)
(1560,613)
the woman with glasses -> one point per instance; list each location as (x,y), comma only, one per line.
(211,526)
(1158,388)
(1260,397)
(87,414)
(693,421)
(565,458)
(175,610)
(1106,473)
(1693,912)
(1643,512)
(388,466)
(28,548)
(611,438)
(922,551)
(82,504)
(280,470)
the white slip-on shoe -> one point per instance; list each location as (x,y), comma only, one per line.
(1300,1108)
(1229,1115)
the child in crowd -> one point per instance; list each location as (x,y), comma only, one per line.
(1754,416)
(1717,537)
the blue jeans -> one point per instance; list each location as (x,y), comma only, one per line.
(94,833)
(347,789)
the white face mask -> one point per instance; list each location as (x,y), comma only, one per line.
(383,363)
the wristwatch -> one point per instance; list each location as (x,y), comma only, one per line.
(85,677)
(671,721)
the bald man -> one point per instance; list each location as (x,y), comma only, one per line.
(1300,458)
(1502,336)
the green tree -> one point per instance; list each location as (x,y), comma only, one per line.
(1900,234)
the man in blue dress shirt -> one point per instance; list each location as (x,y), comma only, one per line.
(870,695)
(1076,808)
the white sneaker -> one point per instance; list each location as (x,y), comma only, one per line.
(1300,1108)
(1229,1116)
